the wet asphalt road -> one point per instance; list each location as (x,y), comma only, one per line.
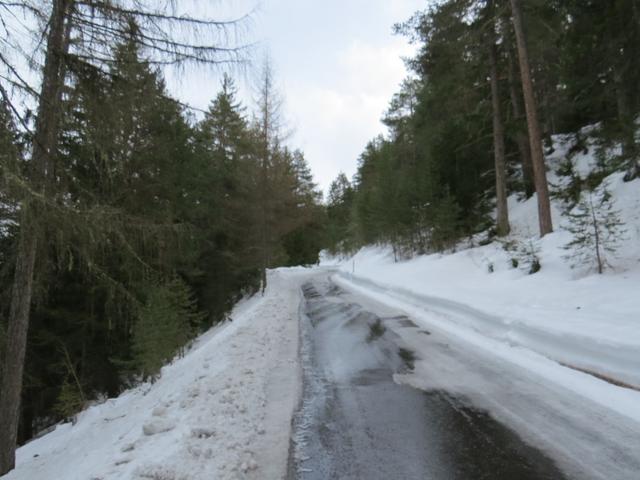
(355,422)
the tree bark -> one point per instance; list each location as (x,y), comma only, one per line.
(46,133)
(627,126)
(502,211)
(13,364)
(537,155)
(521,137)
(596,231)
(264,173)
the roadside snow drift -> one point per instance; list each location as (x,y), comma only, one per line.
(573,316)
(221,412)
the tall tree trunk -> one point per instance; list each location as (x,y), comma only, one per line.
(521,137)
(537,155)
(502,211)
(263,225)
(269,105)
(13,363)
(264,174)
(46,133)
(627,126)
(596,231)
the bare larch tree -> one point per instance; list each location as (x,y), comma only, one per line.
(68,33)
(502,212)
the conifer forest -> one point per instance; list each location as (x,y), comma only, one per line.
(132,222)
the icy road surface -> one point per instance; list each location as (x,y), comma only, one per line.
(398,394)
(384,398)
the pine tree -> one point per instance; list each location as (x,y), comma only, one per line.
(445,223)
(74,34)
(339,206)
(597,231)
(303,242)
(70,400)
(168,320)
(529,255)
(230,259)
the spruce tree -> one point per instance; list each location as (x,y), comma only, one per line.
(229,259)
(597,231)
(75,34)
(339,206)
(168,320)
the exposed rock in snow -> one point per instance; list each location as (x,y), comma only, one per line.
(156,426)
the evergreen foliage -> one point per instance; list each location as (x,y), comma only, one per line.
(432,179)
(529,252)
(167,321)
(338,236)
(103,200)
(136,226)
(152,230)
(597,231)
(70,400)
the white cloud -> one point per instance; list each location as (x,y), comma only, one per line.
(338,115)
(339,65)
(374,69)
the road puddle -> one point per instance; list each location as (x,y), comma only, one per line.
(355,422)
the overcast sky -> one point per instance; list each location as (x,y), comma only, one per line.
(337,64)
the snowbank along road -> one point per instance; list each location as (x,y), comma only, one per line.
(389,396)
(222,412)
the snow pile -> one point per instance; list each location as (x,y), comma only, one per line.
(5,225)
(223,411)
(574,317)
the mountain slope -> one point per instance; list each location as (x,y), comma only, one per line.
(572,316)
(223,411)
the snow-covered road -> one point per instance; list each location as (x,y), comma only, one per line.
(357,423)
(552,408)
(470,406)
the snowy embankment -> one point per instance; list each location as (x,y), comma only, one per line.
(574,317)
(223,411)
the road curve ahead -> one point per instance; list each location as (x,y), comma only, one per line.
(355,422)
